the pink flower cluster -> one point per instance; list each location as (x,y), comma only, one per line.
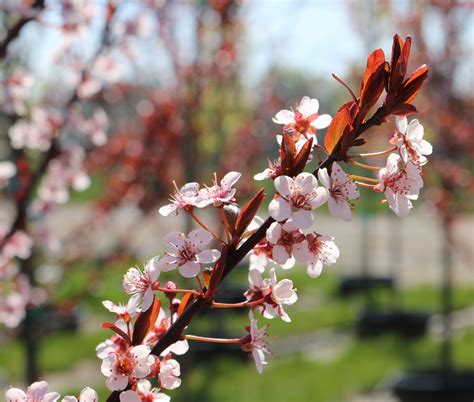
(129,361)
(401,179)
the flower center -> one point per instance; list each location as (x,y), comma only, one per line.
(314,244)
(187,253)
(300,201)
(124,365)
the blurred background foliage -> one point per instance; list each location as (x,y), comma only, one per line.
(200,89)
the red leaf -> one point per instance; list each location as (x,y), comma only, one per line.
(413,84)
(399,70)
(287,153)
(338,127)
(145,322)
(117,330)
(187,299)
(217,273)
(247,213)
(302,157)
(373,83)
(403,109)
(396,49)
(374,61)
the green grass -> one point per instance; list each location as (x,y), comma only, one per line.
(363,365)
(92,193)
(58,352)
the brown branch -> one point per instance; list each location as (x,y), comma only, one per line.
(14,31)
(175,331)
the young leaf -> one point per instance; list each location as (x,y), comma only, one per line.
(413,84)
(302,157)
(216,275)
(287,153)
(145,322)
(403,109)
(187,299)
(373,83)
(117,330)
(247,213)
(338,127)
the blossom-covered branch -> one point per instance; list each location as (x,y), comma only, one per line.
(139,360)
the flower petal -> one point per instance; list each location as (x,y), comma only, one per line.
(315,268)
(174,240)
(303,218)
(280,255)
(208,256)
(322,121)
(279,209)
(116,382)
(190,269)
(129,396)
(306,182)
(230,179)
(274,233)
(165,210)
(147,299)
(323,177)
(284,117)
(88,395)
(401,123)
(199,238)
(308,106)
(283,184)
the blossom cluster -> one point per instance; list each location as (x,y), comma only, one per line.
(51,132)
(150,332)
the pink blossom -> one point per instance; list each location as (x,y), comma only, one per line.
(37,392)
(341,188)
(144,392)
(169,374)
(115,344)
(401,182)
(7,171)
(274,293)
(140,284)
(17,245)
(129,396)
(273,171)
(410,142)
(64,172)
(87,395)
(286,239)
(297,198)
(36,133)
(15,90)
(12,309)
(122,311)
(120,366)
(322,251)
(188,253)
(256,343)
(305,121)
(181,199)
(94,127)
(219,194)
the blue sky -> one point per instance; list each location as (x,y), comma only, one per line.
(313,36)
